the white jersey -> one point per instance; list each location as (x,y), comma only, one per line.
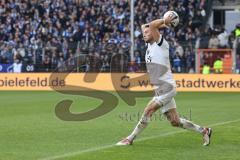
(158,55)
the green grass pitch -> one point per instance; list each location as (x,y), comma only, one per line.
(29,129)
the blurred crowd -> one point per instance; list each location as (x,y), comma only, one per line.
(182,39)
(86,34)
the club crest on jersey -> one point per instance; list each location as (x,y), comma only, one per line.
(149,59)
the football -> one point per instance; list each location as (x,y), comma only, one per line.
(175,20)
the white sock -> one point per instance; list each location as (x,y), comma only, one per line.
(142,124)
(186,124)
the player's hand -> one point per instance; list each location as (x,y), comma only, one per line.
(169,19)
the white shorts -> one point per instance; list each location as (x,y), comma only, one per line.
(166,101)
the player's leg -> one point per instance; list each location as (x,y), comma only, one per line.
(142,124)
(144,120)
(176,121)
(160,99)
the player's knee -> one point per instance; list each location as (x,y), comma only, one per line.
(148,111)
(175,123)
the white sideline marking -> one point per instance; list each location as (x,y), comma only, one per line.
(70,154)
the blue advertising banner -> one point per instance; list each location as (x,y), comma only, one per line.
(6,67)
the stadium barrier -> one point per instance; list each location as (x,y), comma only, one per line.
(115,81)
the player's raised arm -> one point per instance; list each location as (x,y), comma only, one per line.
(161,23)
(158,23)
(155,25)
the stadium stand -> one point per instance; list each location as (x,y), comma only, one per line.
(43,35)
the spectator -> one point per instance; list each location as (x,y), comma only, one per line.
(218,65)
(213,42)
(71,62)
(61,66)
(177,63)
(237,31)
(137,59)
(35,27)
(105,63)
(179,49)
(223,39)
(17,66)
(190,60)
(21,50)
(238,64)
(208,58)
(211,59)
(231,41)
(204,37)
(198,18)
(206,69)
(47,64)
(132,67)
